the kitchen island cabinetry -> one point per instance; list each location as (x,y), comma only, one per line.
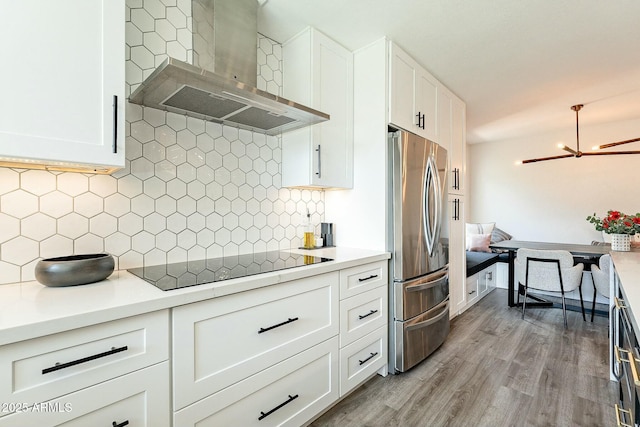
(624,332)
(66,86)
(318,72)
(412,95)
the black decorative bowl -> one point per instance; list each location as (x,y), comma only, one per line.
(74,269)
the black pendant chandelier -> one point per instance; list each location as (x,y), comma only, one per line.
(577,153)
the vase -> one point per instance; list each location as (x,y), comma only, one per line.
(621,242)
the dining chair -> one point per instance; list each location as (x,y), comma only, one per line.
(548,270)
(600,276)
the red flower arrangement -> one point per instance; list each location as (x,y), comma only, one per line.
(616,223)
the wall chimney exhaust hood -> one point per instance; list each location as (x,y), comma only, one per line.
(220,85)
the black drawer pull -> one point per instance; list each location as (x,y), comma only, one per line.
(360,316)
(266,414)
(362,362)
(278,325)
(59,366)
(373,276)
(122,424)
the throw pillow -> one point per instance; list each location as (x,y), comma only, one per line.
(478,228)
(498,235)
(480,243)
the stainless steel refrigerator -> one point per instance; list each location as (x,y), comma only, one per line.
(419,240)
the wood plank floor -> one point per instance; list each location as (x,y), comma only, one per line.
(496,369)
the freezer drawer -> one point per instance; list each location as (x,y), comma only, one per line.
(417,296)
(417,338)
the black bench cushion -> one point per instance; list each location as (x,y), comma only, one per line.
(478,261)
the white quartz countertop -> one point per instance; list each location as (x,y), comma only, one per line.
(30,309)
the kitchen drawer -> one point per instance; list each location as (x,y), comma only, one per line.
(43,368)
(289,393)
(361,278)
(361,359)
(140,398)
(224,340)
(362,314)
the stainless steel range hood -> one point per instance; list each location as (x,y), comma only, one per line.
(220,87)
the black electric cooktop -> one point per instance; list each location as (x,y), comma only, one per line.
(191,273)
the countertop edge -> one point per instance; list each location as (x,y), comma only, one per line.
(30,310)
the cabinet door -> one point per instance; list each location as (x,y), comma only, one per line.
(473,287)
(402,90)
(289,393)
(457,152)
(319,72)
(362,358)
(223,340)
(426,104)
(457,255)
(40,369)
(137,399)
(64,101)
(444,123)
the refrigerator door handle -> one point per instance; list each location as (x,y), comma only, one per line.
(431,186)
(444,306)
(427,285)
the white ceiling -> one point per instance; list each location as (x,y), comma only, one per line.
(519,65)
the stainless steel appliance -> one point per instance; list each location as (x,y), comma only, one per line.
(220,84)
(419,296)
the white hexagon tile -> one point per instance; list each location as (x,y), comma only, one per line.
(190,189)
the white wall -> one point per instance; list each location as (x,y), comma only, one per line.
(549,201)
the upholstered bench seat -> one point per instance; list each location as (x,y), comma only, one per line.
(478,261)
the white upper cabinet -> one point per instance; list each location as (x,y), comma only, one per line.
(451,135)
(413,95)
(318,72)
(63,92)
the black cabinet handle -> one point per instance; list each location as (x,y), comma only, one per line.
(423,123)
(286,402)
(373,276)
(59,366)
(360,316)
(420,118)
(456,208)
(456,178)
(289,320)
(319,173)
(362,362)
(122,424)
(115,124)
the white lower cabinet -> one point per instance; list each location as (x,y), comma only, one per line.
(140,398)
(362,314)
(282,354)
(287,394)
(363,324)
(480,284)
(45,368)
(221,341)
(362,358)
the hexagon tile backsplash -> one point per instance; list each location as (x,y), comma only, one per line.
(191,189)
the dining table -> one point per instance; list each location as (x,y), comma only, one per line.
(587,254)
